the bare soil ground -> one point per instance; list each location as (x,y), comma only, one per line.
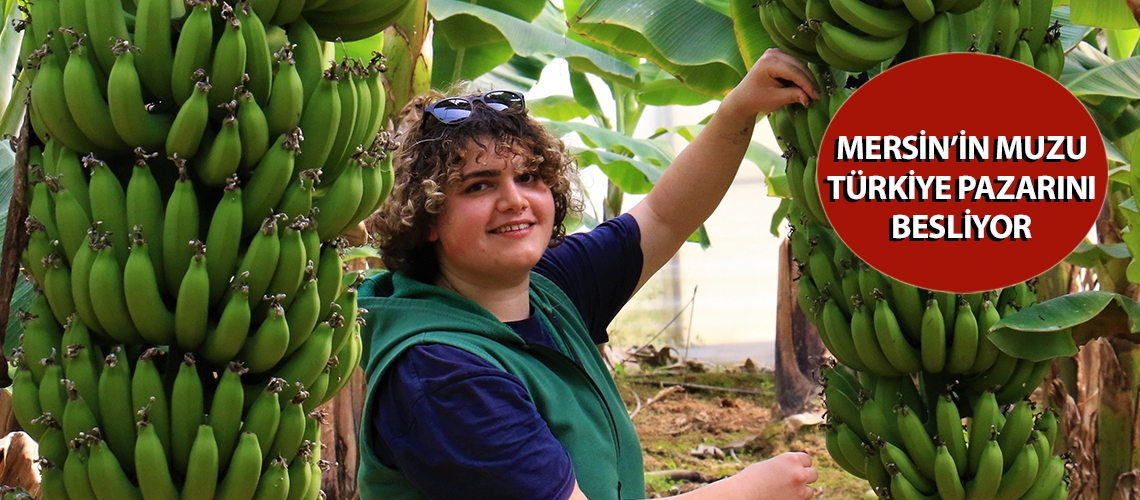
(732,429)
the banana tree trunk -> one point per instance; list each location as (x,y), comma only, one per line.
(798,347)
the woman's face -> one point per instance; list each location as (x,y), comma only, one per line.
(496,221)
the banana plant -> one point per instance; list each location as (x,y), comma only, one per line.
(1102,375)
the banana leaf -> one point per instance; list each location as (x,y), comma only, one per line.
(584,94)
(1058,326)
(1110,14)
(630,175)
(1090,255)
(519,73)
(751,38)
(1121,43)
(770,162)
(722,6)
(558,108)
(1118,78)
(471,40)
(689,40)
(1071,33)
(10,42)
(656,153)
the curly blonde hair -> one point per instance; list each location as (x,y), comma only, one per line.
(431,156)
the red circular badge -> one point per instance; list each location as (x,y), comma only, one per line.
(962,172)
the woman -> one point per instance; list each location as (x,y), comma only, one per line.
(484,377)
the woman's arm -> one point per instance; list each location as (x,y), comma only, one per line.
(783,477)
(694,184)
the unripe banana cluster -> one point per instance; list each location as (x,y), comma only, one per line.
(120,421)
(858,35)
(915,364)
(192,174)
(880,428)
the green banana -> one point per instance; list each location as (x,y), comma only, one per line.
(934,37)
(298,196)
(341,202)
(851,447)
(108,297)
(52,445)
(180,227)
(290,263)
(84,98)
(187,412)
(230,54)
(145,209)
(26,402)
(933,344)
(76,478)
(987,351)
(304,312)
(988,477)
(840,406)
(78,417)
(109,206)
(308,54)
(223,155)
(946,476)
(268,182)
(254,130)
(259,61)
(245,464)
(224,340)
(202,466)
(896,456)
(333,166)
(52,392)
(107,477)
(983,420)
(300,475)
(131,115)
(154,477)
(287,98)
(57,286)
(908,301)
(266,346)
(226,412)
(319,123)
(919,445)
(41,335)
(901,355)
(948,422)
(194,51)
(902,488)
(832,443)
(1048,481)
(857,47)
(864,335)
(964,346)
(839,332)
(223,239)
(81,281)
(274,482)
(1016,431)
(1024,380)
(873,415)
(155,60)
(84,373)
(116,414)
(921,10)
(872,20)
(149,313)
(49,103)
(1019,475)
(192,309)
(190,123)
(148,391)
(264,415)
(290,427)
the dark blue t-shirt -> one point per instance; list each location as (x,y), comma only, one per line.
(451,422)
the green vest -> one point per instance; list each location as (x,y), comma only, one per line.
(578,400)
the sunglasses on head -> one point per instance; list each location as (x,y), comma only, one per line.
(451,110)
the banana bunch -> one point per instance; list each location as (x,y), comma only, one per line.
(883,432)
(158,427)
(228,84)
